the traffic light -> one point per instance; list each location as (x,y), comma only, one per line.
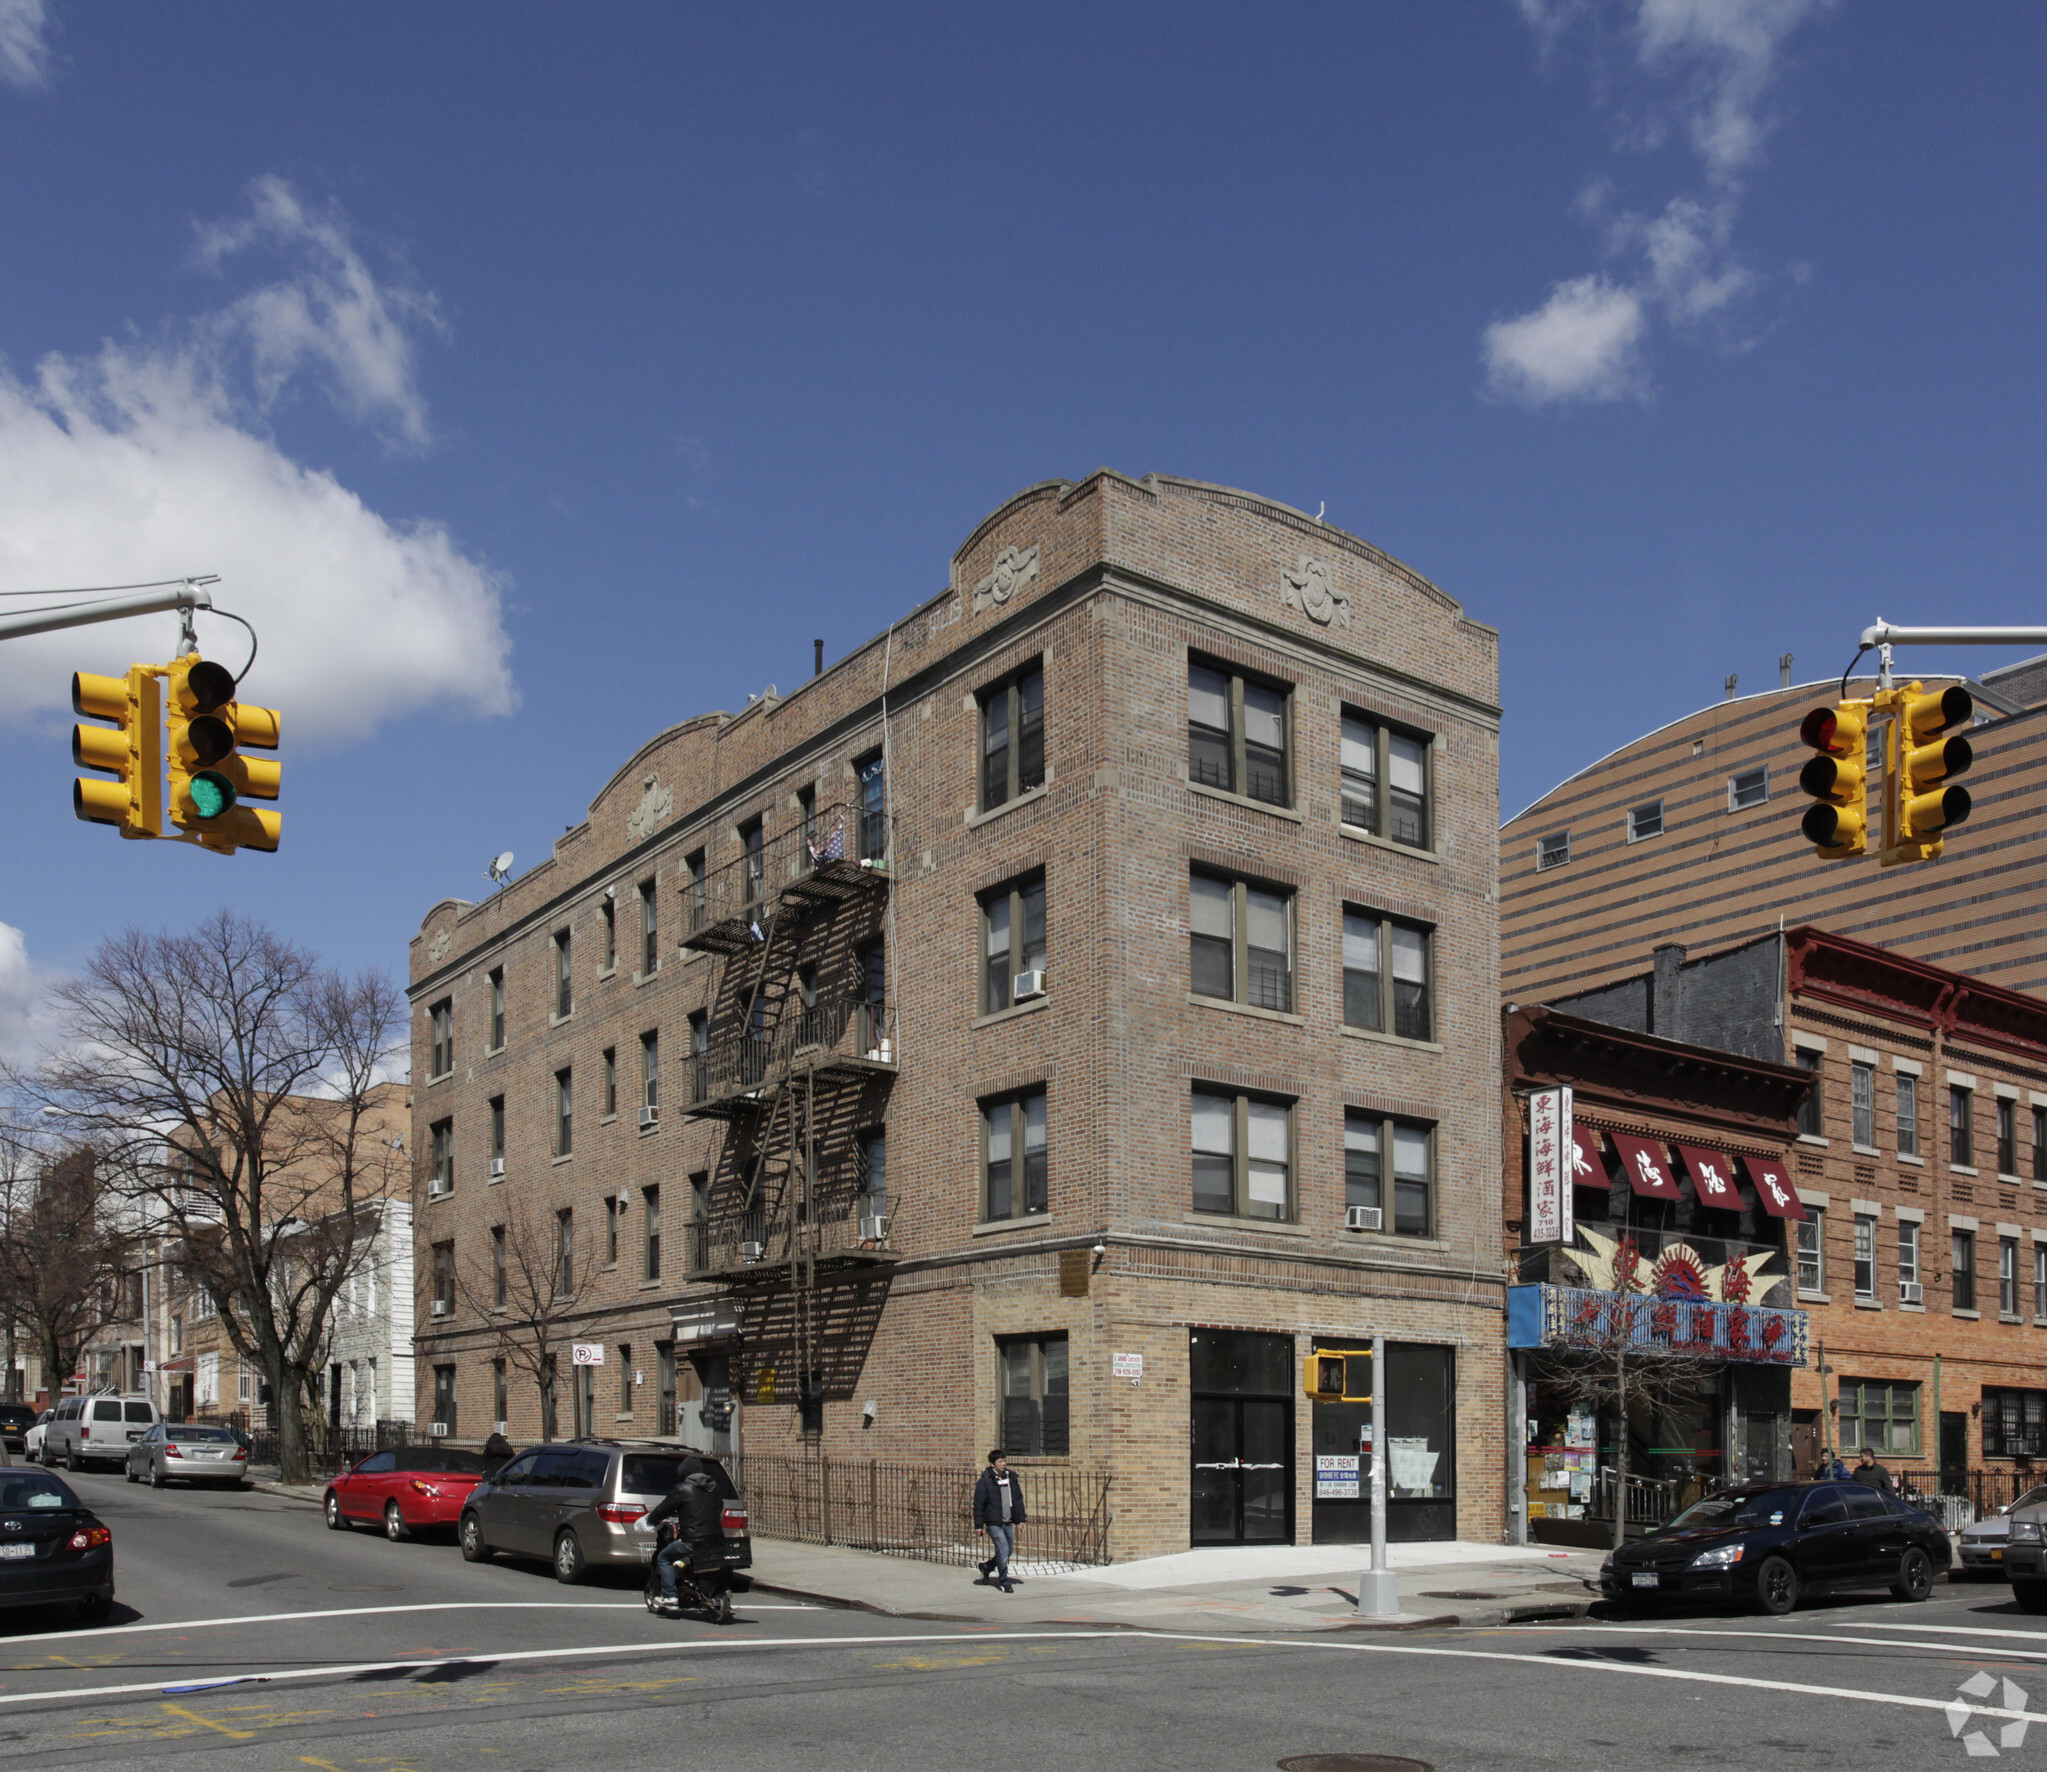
(1837,779)
(1928,763)
(1325,1375)
(132,751)
(209,778)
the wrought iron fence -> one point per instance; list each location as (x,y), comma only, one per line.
(921,1511)
(329,1448)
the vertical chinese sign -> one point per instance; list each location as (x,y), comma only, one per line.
(1550,1153)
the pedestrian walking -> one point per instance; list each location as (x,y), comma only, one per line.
(1837,1469)
(1872,1472)
(999,1511)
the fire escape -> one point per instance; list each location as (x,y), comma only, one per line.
(795,1053)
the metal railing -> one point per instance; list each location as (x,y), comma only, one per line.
(755,1236)
(844,1027)
(834,845)
(921,1511)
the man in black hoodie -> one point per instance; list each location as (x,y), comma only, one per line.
(699,1514)
(998,1511)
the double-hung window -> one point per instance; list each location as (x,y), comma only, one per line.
(1034,1396)
(1243,1155)
(1012,942)
(607,934)
(1013,1156)
(1812,1119)
(565,1250)
(607,1082)
(871,774)
(2040,1144)
(1368,1141)
(1882,1417)
(2040,1282)
(497,1137)
(1241,938)
(1961,1126)
(1012,738)
(753,863)
(1386,975)
(699,1055)
(497,1267)
(1908,1261)
(1908,1114)
(2007,1136)
(564,986)
(1812,1250)
(442,1136)
(1645,820)
(699,902)
(612,1215)
(1552,850)
(564,1112)
(650,1232)
(650,1078)
(1750,788)
(1963,1263)
(1237,734)
(650,931)
(2007,1276)
(497,1009)
(1385,785)
(1865,1256)
(441,1036)
(873,1173)
(1862,1103)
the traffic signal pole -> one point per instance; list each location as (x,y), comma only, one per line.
(190,594)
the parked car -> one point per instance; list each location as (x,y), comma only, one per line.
(584,1504)
(32,1441)
(1982,1546)
(15,1421)
(2025,1554)
(52,1546)
(96,1430)
(187,1452)
(409,1489)
(1766,1544)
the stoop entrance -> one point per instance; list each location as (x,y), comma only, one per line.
(1242,1438)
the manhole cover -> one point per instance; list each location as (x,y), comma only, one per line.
(1353,1763)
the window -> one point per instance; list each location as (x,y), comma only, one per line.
(1645,821)
(1366,1139)
(1012,1129)
(806,818)
(699,1055)
(1385,787)
(612,1214)
(1553,850)
(699,1219)
(441,1037)
(1012,738)
(1812,1120)
(497,1136)
(565,1250)
(1812,1250)
(650,931)
(1862,1103)
(625,1378)
(497,1266)
(1865,1256)
(873,1173)
(2040,1144)
(497,1009)
(1961,1130)
(1013,939)
(650,1078)
(753,860)
(1964,1265)
(1034,1406)
(444,1278)
(2040,1282)
(607,938)
(1388,997)
(1243,1155)
(699,908)
(607,1082)
(2007,1136)
(1242,942)
(650,1232)
(1880,1417)
(441,1148)
(1750,788)
(444,1398)
(2014,1423)
(2007,1276)
(498,1397)
(564,992)
(1237,735)
(1908,1114)
(872,774)
(564,1111)
(1908,1258)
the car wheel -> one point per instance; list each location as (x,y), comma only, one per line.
(134,1476)
(474,1550)
(337,1521)
(569,1565)
(2031,1595)
(1915,1575)
(157,1480)
(395,1528)
(71,1459)
(1776,1587)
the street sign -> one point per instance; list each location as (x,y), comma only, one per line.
(586,1353)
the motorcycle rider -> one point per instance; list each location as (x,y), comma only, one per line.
(698,1511)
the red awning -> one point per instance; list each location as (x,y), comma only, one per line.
(1773,1187)
(179,1363)
(1712,1176)
(1648,1166)
(1588,1167)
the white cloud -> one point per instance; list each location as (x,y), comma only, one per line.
(152,458)
(24,1022)
(1584,343)
(24,50)
(1725,51)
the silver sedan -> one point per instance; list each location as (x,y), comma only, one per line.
(188,1453)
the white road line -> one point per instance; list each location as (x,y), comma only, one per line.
(1956,1630)
(1779,1636)
(119,1630)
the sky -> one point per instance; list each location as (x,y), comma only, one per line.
(535,377)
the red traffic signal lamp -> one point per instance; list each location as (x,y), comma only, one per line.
(132,751)
(1837,779)
(1929,803)
(209,777)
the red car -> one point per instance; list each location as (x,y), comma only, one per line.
(408,1489)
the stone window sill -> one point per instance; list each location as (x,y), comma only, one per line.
(640,978)
(1030,1220)
(555,1021)
(1868,1304)
(2009,1317)
(569,1158)
(1011,1013)
(1973,1316)
(496,1051)
(1919,1308)
(610,971)
(1373,1034)
(1816,1297)
(2009,1180)
(1386,843)
(442,1078)
(1247,1009)
(1916,1162)
(1865,1150)
(1283,1226)
(1812,1138)
(975,820)
(1244,800)
(1961,1169)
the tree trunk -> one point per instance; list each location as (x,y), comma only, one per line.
(288,1416)
(547,1407)
(1620,1450)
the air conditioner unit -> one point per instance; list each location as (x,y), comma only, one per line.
(1363,1218)
(874,1230)
(497,1165)
(1027,984)
(437,1430)
(500,1427)
(440,1307)
(1911,1292)
(752,1251)
(649,1116)
(437,1191)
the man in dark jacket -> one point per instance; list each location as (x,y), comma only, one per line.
(699,1514)
(998,1511)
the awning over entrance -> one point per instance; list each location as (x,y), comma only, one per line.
(1648,1166)
(1588,1168)
(1712,1175)
(1773,1188)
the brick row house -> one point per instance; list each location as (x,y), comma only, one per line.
(1044,1027)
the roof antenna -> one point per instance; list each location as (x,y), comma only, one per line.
(1733,683)
(1784,671)
(1320,507)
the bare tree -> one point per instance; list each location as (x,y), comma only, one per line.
(62,1250)
(524,1285)
(231,1083)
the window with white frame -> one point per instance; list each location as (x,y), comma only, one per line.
(1386,984)
(2007,1276)
(1553,850)
(1750,788)
(1862,1102)
(1908,1114)
(1812,1250)
(1908,1261)
(1645,820)
(1865,1256)
(1384,789)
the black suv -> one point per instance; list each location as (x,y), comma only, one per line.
(585,1502)
(15,1421)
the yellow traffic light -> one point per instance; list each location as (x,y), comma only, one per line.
(132,751)
(1928,802)
(209,778)
(1325,1375)
(1837,779)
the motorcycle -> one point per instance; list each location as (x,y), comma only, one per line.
(708,1591)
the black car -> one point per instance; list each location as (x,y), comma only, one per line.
(1765,1544)
(15,1421)
(53,1548)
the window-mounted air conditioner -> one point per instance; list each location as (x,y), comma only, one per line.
(874,1230)
(1911,1292)
(437,1430)
(649,1116)
(437,1189)
(497,1165)
(1363,1218)
(499,1427)
(752,1251)
(441,1307)
(1027,984)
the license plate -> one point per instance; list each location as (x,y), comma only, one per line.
(17,1552)
(1646,1580)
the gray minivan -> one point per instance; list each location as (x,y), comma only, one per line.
(96,1430)
(585,1503)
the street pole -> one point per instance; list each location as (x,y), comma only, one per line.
(1378,1591)
(189,595)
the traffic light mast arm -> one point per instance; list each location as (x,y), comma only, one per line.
(191,594)
(1884,634)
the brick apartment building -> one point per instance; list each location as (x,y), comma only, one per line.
(1043,1028)
(1690,834)
(1920,1158)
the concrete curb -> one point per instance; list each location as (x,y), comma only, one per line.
(283,1493)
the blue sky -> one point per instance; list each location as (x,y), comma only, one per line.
(539,376)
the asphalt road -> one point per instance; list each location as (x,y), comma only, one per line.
(351,1654)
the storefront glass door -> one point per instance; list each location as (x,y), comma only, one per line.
(1242,1476)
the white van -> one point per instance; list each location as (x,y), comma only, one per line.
(96,1430)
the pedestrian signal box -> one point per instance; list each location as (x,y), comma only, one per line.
(1338,1375)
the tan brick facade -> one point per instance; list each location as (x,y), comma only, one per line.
(1109,586)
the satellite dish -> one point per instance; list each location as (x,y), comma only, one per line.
(499,870)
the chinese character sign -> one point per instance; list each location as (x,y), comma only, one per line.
(1550,1160)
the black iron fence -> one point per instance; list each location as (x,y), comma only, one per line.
(921,1511)
(843,1027)
(329,1447)
(825,844)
